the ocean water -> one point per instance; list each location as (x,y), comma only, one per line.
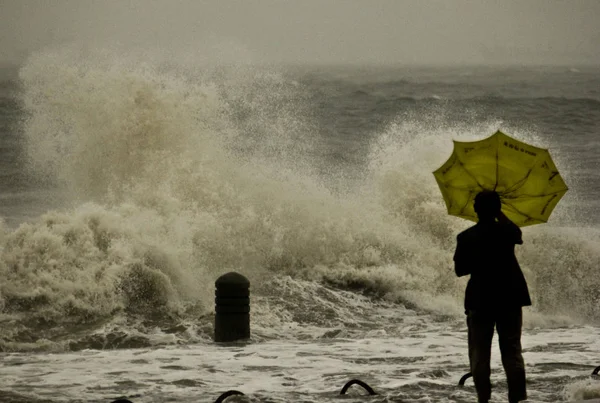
(130,184)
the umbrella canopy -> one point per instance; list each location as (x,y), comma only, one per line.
(523,175)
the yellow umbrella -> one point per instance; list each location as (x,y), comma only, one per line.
(524,176)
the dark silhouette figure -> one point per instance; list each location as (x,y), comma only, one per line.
(495,295)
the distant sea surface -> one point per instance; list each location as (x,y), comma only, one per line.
(128,187)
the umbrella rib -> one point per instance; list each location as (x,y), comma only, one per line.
(468,189)
(462,209)
(521,196)
(470,174)
(519,184)
(497,163)
(523,214)
(548,203)
(554,195)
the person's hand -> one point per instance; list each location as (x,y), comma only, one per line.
(516,231)
(501,217)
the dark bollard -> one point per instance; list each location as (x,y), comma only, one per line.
(232,306)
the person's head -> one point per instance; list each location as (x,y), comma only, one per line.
(487,205)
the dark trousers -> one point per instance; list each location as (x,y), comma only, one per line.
(508,323)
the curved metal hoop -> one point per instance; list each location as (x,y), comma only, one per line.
(464,378)
(227,394)
(358,382)
(596,371)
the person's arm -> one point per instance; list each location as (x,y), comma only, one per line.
(513,229)
(462,260)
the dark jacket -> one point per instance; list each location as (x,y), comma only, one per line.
(486,251)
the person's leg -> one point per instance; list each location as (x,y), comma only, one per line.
(509,325)
(481,332)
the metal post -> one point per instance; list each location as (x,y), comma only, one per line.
(232,307)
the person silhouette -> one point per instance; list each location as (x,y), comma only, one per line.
(495,294)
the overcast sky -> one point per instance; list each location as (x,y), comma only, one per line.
(317,31)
